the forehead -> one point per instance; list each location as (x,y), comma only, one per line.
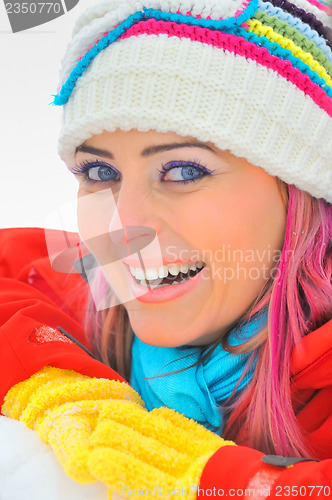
(139,139)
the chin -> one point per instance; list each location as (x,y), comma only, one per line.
(158,340)
(154,337)
(167,334)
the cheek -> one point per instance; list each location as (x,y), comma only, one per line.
(208,218)
(264,216)
(198,214)
(94,214)
(250,216)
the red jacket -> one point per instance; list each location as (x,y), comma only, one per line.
(35,300)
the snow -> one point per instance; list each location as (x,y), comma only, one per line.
(30,471)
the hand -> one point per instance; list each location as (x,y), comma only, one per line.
(99,430)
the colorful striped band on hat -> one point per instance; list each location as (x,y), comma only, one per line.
(262,58)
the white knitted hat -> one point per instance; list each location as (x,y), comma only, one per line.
(251,76)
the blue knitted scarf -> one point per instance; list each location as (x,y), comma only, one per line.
(196,390)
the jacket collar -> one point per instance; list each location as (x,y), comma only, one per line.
(312,359)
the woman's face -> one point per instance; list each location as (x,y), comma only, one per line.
(202,205)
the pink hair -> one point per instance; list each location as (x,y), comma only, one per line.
(300,302)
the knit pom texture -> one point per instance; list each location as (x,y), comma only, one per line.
(252,76)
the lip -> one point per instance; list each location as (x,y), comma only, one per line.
(157,262)
(164,294)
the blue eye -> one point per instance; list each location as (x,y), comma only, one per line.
(180,172)
(102,174)
(96,171)
(183,172)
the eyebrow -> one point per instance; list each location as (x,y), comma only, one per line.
(149,151)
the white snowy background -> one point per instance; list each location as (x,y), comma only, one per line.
(30,471)
(34,181)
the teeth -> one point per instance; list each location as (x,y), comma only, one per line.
(184,268)
(139,273)
(153,273)
(162,272)
(173,269)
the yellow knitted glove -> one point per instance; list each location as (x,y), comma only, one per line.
(99,430)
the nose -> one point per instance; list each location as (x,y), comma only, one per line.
(135,222)
(132,239)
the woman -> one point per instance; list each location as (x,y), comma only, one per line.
(200,134)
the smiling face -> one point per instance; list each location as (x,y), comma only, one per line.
(205,206)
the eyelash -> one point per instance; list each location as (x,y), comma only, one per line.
(84,167)
(182,163)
